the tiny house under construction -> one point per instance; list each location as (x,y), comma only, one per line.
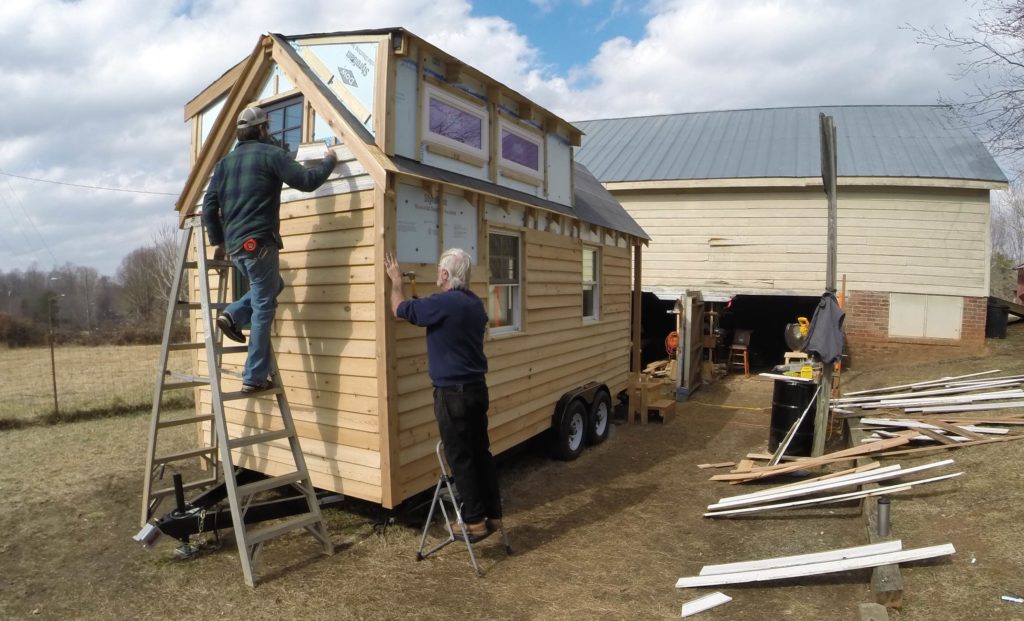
(433,154)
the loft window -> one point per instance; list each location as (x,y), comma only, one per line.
(505,290)
(454,122)
(591,282)
(521,151)
(285,123)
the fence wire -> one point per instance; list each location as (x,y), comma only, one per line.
(85,380)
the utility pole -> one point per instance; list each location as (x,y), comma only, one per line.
(828,178)
(50,299)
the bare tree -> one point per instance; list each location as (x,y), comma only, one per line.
(141,291)
(994,61)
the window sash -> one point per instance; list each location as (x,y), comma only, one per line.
(505,294)
(591,282)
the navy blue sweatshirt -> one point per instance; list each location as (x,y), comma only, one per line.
(455,321)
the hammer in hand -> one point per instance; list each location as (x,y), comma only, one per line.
(412,282)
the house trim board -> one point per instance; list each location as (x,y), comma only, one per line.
(707,602)
(903,556)
(803,559)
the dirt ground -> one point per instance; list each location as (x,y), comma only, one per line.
(603,537)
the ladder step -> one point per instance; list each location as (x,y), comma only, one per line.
(199,305)
(259,438)
(210,264)
(180,385)
(300,521)
(234,396)
(203,418)
(270,483)
(229,349)
(233,349)
(169,491)
(199,452)
(183,346)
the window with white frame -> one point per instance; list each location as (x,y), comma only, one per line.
(454,122)
(591,282)
(505,282)
(521,150)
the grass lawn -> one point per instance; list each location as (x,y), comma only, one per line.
(89,379)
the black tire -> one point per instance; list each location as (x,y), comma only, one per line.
(600,420)
(570,431)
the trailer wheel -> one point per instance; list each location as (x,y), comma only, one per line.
(599,421)
(571,431)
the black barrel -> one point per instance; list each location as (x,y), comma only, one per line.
(789,400)
(995,319)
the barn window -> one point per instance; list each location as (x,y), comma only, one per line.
(591,282)
(505,290)
(455,123)
(285,123)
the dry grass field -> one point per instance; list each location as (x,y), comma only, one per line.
(603,537)
(89,379)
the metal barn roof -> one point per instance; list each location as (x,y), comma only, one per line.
(873,141)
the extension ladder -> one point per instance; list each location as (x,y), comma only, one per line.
(218,455)
(444,495)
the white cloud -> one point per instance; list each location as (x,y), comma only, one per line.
(94,90)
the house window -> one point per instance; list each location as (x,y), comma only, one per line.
(505,290)
(591,280)
(285,123)
(521,151)
(454,122)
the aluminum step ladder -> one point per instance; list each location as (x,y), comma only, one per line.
(445,498)
(217,456)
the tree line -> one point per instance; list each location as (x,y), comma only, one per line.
(77,304)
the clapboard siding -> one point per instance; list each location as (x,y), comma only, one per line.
(324,336)
(528,371)
(915,240)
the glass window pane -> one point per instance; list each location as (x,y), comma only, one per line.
(501,306)
(588,265)
(293,116)
(455,124)
(276,118)
(504,259)
(292,138)
(515,148)
(588,301)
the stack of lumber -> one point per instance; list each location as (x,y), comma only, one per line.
(934,410)
(821,490)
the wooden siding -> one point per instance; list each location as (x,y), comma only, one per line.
(325,338)
(771,241)
(529,371)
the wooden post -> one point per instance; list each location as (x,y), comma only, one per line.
(828,177)
(634,365)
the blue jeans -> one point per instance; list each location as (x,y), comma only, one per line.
(461,413)
(257,306)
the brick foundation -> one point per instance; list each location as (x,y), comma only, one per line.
(867,330)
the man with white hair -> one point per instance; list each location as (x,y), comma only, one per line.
(455,320)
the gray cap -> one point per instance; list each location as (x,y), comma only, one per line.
(251,117)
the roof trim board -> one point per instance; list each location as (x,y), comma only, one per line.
(210,94)
(803,182)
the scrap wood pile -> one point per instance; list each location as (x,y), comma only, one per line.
(935,410)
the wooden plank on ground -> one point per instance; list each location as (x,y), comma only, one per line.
(802,559)
(707,602)
(814,569)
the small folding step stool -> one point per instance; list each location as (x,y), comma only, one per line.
(218,455)
(444,493)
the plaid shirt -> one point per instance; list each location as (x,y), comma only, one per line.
(244,197)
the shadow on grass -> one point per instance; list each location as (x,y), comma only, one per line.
(82,415)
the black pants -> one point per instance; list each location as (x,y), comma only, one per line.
(461,413)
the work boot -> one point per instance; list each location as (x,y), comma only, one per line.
(476,529)
(228,327)
(251,389)
(494,524)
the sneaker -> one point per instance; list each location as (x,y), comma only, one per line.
(227,326)
(249,389)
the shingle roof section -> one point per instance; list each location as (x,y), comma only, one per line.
(873,141)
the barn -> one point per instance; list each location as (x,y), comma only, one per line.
(432,154)
(735,204)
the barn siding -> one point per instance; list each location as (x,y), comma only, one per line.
(913,240)
(529,371)
(325,339)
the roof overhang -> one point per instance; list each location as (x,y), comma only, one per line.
(801,182)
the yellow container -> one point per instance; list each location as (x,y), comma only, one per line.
(807,372)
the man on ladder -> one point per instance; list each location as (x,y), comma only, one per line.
(242,214)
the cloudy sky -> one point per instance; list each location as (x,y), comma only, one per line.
(94,90)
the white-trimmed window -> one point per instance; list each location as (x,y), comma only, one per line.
(504,295)
(454,122)
(591,282)
(522,151)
